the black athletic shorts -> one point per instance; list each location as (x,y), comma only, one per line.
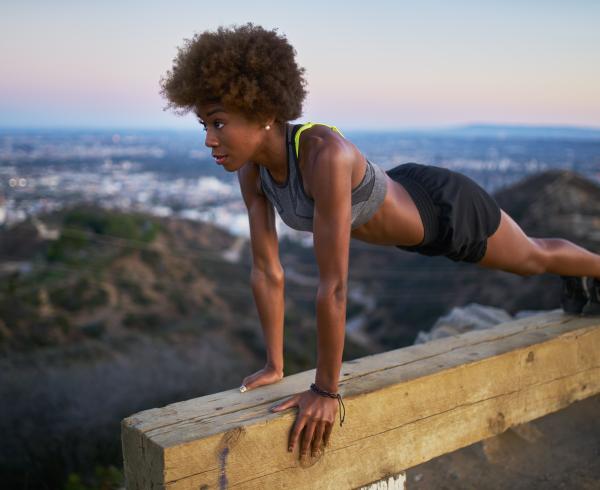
(458,215)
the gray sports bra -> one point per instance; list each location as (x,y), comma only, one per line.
(297,209)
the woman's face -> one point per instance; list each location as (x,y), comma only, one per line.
(232,138)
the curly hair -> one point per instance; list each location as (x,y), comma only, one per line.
(246,68)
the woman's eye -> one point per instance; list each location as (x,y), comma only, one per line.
(216,124)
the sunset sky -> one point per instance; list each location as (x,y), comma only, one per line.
(369,64)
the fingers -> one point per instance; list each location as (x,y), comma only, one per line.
(249,382)
(260,378)
(301,423)
(318,437)
(327,434)
(290,402)
(313,426)
(263,380)
(309,432)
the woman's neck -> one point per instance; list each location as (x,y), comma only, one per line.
(273,153)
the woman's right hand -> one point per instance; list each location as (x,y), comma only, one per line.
(266,376)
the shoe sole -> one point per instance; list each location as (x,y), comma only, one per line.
(591,309)
(575,305)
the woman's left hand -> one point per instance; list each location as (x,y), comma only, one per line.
(316,415)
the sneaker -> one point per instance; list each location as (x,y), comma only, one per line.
(593,305)
(573,296)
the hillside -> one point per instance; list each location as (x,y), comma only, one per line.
(109,276)
(556,203)
(112,277)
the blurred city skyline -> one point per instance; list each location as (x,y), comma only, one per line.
(369,65)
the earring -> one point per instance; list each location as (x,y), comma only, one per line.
(267,127)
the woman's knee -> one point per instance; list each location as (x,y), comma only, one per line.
(537,259)
(511,250)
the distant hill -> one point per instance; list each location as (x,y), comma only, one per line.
(555,203)
(499,131)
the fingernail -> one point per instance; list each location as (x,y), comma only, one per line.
(290,449)
(242,389)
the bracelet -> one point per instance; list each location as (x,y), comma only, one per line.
(321,392)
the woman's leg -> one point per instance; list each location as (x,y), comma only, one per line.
(511,250)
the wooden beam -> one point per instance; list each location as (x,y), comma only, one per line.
(403,407)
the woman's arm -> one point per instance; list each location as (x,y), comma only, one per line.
(268,293)
(267,277)
(331,188)
(331,236)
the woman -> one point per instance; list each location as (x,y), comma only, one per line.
(244,85)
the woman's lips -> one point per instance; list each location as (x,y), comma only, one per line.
(220,158)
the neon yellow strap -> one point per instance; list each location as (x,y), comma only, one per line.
(308,126)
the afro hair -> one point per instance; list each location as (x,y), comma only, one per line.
(246,68)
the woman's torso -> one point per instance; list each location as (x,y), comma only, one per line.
(393,218)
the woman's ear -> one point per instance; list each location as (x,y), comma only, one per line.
(269,123)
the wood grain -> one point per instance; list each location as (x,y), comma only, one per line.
(403,407)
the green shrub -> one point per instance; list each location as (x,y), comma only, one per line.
(104,478)
(63,322)
(134,290)
(83,294)
(150,257)
(179,300)
(69,245)
(128,226)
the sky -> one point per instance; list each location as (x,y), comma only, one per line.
(369,64)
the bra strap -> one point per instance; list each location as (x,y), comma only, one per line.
(309,125)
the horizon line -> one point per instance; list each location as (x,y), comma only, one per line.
(431,127)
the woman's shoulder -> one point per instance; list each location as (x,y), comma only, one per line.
(311,138)
(314,128)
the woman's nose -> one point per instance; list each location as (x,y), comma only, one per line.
(210,140)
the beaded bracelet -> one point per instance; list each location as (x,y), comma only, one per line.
(321,392)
